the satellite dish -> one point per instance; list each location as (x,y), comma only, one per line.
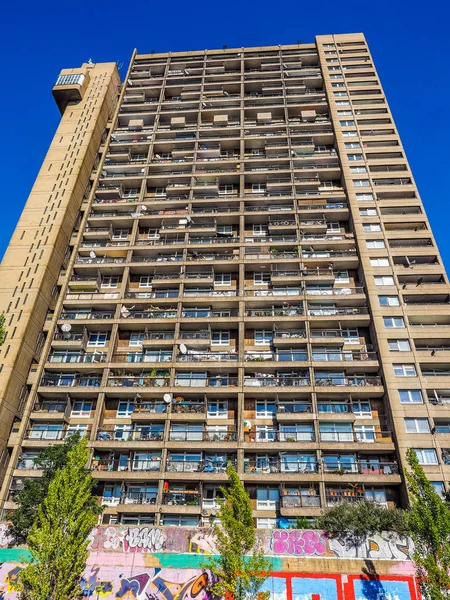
(92,254)
(143,207)
(167,398)
(66,327)
(183,349)
(247,425)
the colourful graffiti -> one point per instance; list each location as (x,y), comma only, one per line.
(120,582)
(279,542)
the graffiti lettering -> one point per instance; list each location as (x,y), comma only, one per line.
(298,543)
(133,585)
(90,584)
(143,540)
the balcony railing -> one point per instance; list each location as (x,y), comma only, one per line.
(202,435)
(139,381)
(194,356)
(269,380)
(128,434)
(115,464)
(198,466)
(181,498)
(274,312)
(77,357)
(355,436)
(306,500)
(283,436)
(214,381)
(68,381)
(138,498)
(369,467)
(274,465)
(338,380)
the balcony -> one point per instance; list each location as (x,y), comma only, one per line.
(128,433)
(128,465)
(145,380)
(200,433)
(366,437)
(135,497)
(266,465)
(76,357)
(70,380)
(270,380)
(196,356)
(214,381)
(178,497)
(338,380)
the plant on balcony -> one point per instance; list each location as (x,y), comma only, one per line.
(240,569)
(428,523)
(58,539)
(35,489)
(2,328)
(354,521)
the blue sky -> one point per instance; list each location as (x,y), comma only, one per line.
(409,42)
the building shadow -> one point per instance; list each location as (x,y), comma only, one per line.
(372,586)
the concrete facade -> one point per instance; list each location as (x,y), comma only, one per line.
(241,270)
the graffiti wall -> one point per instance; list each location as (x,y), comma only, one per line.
(279,542)
(125,583)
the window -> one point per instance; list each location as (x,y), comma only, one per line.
(379,262)
(342,103)
(341,277)
(220,338)
(405,370)
(120,234)
(370,227)
(339,94)
(160,191)
(226,189)
(80,428)
(258,188)
(351,336)
(145,281)
(426,456)
(111,281)
(334,68)
(419,425)
(410,396)
(267,498)
(364,433)
(375,243)
(389,300)
(439,488)
(136,339)
(384,280)
(362,408)
(260,229)
(364,196)
(352,145)
(97,339)
(70,79)
(399,345)
(225,229)
(335,77)
(355,157)
(349,133)
(125,408)
(266,523)
(265,409)
(263,337)
(393,322)
(222,279)
(179,521)
(217,409)
(81,409)
(344,113)
(261,278)
(337,85)
(361,182)
(355,170)
(347,123)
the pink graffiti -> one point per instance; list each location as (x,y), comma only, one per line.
(298,543)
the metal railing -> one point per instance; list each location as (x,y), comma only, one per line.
(138,381)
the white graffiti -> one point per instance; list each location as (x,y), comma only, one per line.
(5,538)
(144,539)
(378,547)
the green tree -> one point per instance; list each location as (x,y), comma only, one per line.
(34,490)
(2,328)
(58,540)
(354,521)
(241,568)
(428,522)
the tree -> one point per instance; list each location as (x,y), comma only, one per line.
(34,490)
(241,568)
(58,540)
(354,521)
(428,522)
(2,328)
